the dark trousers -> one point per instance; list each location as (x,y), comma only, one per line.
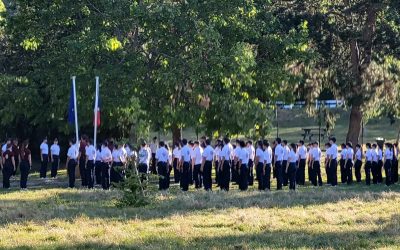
(292,175)
(43,166)
(310,172)
(54,166)
(197,176)
(333,172)
(234,172)
(217,173)
(357,170)
(97,172)
(185,176)
(16,159)
(164,177)
(190,174)
(143,169)
(177,174)
(225,176)
(343,174)
(8,170)
(260,175)
(284,174)
(374,172)
(317,178)
(251,173)
(301,172)
(243,177)
(279,174)
(395,171)
(388,172)
(89,174)
(71,173)
(153,168)
(24,167)
(368,167)
(349,172)
(82,167)
(207,175)
(379,171)
(328,173)
(116,172)
(105,175)
(267,177)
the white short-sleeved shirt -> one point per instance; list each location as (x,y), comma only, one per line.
(279,152)
(217,153)
(55,150)
(268,155)
(286,151)
(153,148)
(91,152)
(316,153)
(343,153)
(260,155)
(358,155)
(374,154)
(334,151)
(388,154)
(244,155)
(292,157)
(185,151)
(162,154)
(198,151)
(368,154)
(226,152)
(98,155)
(115,155)
(252,152)
(208,153)
(144,156)
(380,154)
(349,154)
(328,152)
(4,148)
(176,153)
(106,155)
(44,148)
(302,152)
(236,151)
(73,152)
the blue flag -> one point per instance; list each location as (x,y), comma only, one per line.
(71,108)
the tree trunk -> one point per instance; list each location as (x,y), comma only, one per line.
(354,131)
(176,134)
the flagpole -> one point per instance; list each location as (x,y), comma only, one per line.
(75,109)
(96,107)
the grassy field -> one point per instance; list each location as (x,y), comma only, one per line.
(49,216)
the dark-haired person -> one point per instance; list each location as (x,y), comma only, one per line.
(8,166)
(54,158)
(374,169)
(185,167)
(268,156)
(225,164)
(196,165)
(82,160)
(206,165)
(44,158)
(72,161)
(333,161)
(243,158)
(144,161)
(388,163)
(252,153)
(301,171)
(176,156)
(260,164)
(106,158)
(279,152)
(291,167)
(90,163)
(217,158)
(162,164)
(315,154)
(98,165)
(286,151)
(15,151)
(26,163)
(349,163)
(309,165)
(235,166)
(380,164)
(395,164)
(343,153)
(368,164)
(153,149)
(358,163)
(328,159)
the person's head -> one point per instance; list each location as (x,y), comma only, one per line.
(316,144)
(368,145)
(166,146)
(278,140)
(260,144)
(249,143)
(15,141)
(208,142)
(44,140)
(219,143)
(25,144)
(196,144)
(72,141)
(349,145)
(105,143)
(242,144)
(143,145)
(55,141)
(301,143)
(358,146)
(284,142)
(293,147)
(388,145)
(177,145)
(332,140)
(374,146)
(327,145)
(98,146)
(191,143)
(161,144)
(266,144)
(184,142)
(226,140)
(343,145)
(154,139)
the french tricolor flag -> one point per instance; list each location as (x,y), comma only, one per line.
(98,112)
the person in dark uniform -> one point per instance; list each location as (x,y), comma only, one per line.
(44,158)
(388,157)
(8,166)
(260,165)
(279,152)
(97,165)
(26,163)
(72,161)
(82,160)
(358,163)
(349,162)
(54,158)
(395,164)
(15,151)
(342,162)
(268,156)
(380,163)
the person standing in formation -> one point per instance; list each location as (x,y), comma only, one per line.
(286,151)
(8,166)
(368,164)
(327,162)
(176,155)
(15,151)
(225,164)
(26,163)
(144,161)
(196,165)
(343,154)
(54,158)
(268,156)
(153,149)
(358,163)
(260,165)
(98,165)
(252,153)
(349,163)
(192,156)
(380,164)
(315,155)
(375,164)
(333,161)
(395,164)
(206,165)
(90,163)
(44,158)
(243,159)
(106,158)
(388,163)
(235,166)
(162,164)
(291,166)
(72,161)
(217,158)
(185,169)
(301,171)
(279,153)
(82,160)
